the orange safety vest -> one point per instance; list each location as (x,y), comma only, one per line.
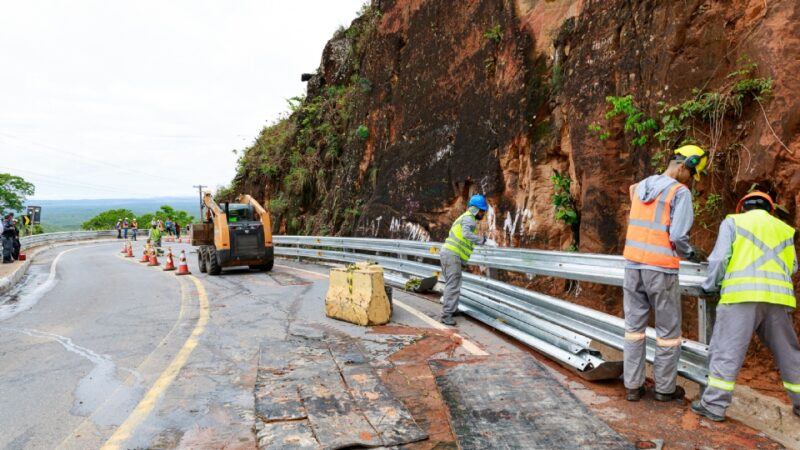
(647,240)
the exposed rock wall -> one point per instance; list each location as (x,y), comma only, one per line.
(421,103)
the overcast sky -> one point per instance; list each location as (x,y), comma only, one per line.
(113,99)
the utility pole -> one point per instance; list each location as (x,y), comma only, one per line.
(200,191)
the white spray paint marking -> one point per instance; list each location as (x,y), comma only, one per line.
(408,230)
(94,388)
(25,300)
(491,223)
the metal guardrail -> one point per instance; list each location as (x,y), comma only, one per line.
(562,330)
(49,238)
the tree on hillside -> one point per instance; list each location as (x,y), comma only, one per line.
(164,213)
(13,190)
(107,219)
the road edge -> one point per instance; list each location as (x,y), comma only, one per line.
(8,282)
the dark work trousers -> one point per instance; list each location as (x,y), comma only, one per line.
(8,248)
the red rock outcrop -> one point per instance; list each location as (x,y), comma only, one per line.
(421,103)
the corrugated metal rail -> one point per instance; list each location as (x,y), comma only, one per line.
(562,330)
(51,238)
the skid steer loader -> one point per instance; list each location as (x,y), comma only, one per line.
(233,234)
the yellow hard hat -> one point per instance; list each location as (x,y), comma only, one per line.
(695,159)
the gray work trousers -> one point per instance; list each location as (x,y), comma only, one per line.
(451,270)
(733,330)
(8,247)
(644,291)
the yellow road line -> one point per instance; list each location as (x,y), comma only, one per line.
(79,430)
(468,345)
(146,405)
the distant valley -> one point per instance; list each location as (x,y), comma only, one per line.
(67,215)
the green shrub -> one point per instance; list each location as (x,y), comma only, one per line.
(494,34)
(563,204)
(362,132)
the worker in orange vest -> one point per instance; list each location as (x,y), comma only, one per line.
(660,219)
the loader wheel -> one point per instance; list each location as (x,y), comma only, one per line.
(213,265)
(201,259)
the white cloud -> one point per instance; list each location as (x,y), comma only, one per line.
(138,99)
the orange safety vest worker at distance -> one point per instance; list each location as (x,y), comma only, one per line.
(647,241)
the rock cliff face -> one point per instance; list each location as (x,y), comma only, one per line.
(421,103)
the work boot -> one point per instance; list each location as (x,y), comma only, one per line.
(449,321)
(634,395)
(677,394)
(701,410)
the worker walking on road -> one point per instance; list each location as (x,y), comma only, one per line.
(660,219)
(753,262)
(456,251)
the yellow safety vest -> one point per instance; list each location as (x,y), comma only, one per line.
(760,268)
(456,243)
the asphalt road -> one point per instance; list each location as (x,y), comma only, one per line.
(101,350)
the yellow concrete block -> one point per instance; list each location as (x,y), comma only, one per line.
(356,294)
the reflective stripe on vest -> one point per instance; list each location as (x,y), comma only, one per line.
(455,241)
(647,240)
(762,261)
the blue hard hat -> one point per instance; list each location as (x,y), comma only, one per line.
(479,202)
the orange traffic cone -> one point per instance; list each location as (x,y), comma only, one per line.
(153,258)
(124,248)
(180,240)
(130,251)
(170,264)
(145,254)
(183,268)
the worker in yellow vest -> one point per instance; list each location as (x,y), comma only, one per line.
(658,235)
(456,251)
(753,262)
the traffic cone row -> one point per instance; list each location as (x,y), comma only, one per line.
(124,248)
(170,264)
(183,268)
(150,256)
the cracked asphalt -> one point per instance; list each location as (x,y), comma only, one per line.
(84,342)
(78,353)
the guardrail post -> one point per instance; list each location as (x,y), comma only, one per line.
(706,314)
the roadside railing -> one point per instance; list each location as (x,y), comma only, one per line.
(562,330)
(50,238)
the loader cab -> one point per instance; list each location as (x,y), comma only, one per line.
(239,212)
(246,233)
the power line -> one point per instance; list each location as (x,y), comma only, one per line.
(53,180)
(90,160)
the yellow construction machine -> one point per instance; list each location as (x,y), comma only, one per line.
(233,234)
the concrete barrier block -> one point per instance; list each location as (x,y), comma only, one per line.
(356,294)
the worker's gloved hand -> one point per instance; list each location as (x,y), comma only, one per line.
(709,294)
(697,256)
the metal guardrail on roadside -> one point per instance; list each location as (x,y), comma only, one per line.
(562,330)
(50,238)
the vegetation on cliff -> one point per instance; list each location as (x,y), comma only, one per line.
(293,162)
